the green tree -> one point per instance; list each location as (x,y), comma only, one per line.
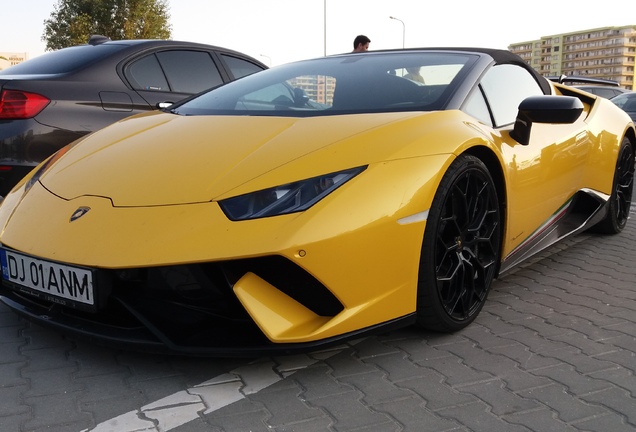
(73,21)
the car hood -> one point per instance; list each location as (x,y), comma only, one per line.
(165,159)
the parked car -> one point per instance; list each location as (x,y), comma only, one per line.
(314,202)
(51,100)
(597,86)
(605,91)
(627,102)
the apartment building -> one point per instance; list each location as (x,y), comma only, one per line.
(317,87)
(606,53)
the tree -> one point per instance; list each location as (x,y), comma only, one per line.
(73,21)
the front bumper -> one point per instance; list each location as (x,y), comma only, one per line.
(189,310)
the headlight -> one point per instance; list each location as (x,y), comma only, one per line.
(288,198)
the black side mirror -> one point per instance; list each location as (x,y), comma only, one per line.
(544,109)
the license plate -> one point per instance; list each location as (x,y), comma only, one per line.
(53,281)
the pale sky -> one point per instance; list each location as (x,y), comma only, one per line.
(280,31)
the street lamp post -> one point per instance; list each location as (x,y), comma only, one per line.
(268,58)
(324,24)
(403,29)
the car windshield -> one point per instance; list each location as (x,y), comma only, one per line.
(627,101)
(62,61)
(355,83)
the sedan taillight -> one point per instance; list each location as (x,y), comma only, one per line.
(16,104)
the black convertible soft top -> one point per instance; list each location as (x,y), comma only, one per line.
(499,56)
(503,56)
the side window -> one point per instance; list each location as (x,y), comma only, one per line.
(476,106)
(146,74)
(505,86)
(239,67)
(607,93)
(189,71)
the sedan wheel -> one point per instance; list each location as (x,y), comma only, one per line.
(461,248)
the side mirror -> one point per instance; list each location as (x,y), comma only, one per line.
(544,109)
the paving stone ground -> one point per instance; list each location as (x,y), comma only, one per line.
(554,349)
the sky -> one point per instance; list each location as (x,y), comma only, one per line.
(280,31)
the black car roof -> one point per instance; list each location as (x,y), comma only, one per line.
(73,58)
(164,42)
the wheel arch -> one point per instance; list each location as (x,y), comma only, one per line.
(488,157)
(631,135)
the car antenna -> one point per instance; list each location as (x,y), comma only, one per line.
(97,39)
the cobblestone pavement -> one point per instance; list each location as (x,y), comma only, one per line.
(554,349)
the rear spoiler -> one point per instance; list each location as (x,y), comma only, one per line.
(582,79)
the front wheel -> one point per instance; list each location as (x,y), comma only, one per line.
(461,247)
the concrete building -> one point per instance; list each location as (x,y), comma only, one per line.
(606,53)
(319,88)
(8,59)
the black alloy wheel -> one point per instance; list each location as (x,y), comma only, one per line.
(461,247)
(621,199)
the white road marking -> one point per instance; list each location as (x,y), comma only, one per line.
(185,406)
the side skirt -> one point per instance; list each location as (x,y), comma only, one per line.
(584,209)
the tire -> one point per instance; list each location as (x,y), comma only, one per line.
(461,247)
(622,188)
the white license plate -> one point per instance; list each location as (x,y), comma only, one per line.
(52,279)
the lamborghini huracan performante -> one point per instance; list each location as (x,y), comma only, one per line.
(313,202)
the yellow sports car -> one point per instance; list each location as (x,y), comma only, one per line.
(314,202)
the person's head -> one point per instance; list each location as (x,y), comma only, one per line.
(361,43)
